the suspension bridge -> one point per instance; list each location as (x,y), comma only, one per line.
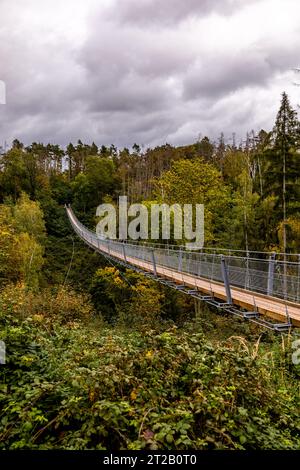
(263,288)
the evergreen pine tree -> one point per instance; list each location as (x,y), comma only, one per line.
(283,163)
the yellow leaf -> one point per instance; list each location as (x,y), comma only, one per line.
(149,354)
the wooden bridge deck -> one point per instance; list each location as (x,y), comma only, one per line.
(271,307)
(268,306)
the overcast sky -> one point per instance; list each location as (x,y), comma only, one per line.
(145,71)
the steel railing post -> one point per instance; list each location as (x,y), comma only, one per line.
(154,263)
(180,260)
(247,283)
(271,274)
(226,280)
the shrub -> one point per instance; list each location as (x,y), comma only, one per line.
(81,386)
(60,304)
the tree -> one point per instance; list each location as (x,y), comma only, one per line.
(220,152)
(91,186)
(205,149)
(198,182)
(30,257)
(262,144)
(8,258)
(28,217)
(283,158)
(22,232)
(127,296)
(246,201)
(14,177)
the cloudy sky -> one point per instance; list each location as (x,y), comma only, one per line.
(145,71)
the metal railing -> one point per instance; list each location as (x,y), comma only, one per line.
(267,275)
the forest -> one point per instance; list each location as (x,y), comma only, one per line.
(100,357)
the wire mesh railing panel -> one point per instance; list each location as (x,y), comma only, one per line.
(263,274)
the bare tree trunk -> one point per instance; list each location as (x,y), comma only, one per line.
(260,178)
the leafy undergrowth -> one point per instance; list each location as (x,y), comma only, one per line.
(79,384)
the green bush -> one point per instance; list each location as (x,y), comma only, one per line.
(60,304)
(82,385)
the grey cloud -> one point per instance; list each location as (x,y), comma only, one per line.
(130,95)
(217,76)
(172,11)
(283,56)
(127,71)
(214,77)
(113,52)
(128,82)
